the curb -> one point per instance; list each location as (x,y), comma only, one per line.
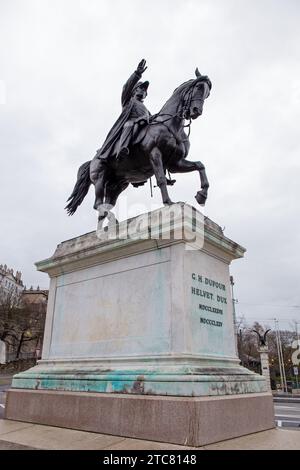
(286,400)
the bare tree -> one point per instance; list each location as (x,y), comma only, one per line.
(10,301)
(248,348)
(21,323)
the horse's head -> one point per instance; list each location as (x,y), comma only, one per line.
(196,92)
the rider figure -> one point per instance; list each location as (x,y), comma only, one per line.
(134,114)
(133,95)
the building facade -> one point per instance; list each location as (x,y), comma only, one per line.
(10,282)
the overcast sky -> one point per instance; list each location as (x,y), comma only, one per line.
(62,67)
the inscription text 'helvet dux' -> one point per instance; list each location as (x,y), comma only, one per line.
(140,145)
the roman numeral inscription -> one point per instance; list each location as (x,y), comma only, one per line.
(213,298)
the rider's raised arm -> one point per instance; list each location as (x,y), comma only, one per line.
(132,81)
(129,87)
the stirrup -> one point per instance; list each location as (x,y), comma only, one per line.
(170,182)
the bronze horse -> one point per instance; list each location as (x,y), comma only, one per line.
(162,145)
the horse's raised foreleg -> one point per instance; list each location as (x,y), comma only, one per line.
(157,165)
(185,166)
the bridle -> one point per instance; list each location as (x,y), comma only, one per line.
(180,115)
(187,104)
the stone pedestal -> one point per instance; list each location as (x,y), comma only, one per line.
(142,312)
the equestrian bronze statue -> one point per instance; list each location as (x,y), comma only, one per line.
(140,145)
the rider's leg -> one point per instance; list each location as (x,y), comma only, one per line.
(125,139)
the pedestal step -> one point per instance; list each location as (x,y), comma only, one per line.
(192,421)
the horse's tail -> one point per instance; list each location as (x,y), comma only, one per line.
(80,189)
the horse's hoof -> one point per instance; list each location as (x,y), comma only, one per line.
(201,198)
(102,216)
(168,202)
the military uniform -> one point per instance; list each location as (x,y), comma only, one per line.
(133,111)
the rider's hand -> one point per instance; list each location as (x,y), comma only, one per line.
(141,67)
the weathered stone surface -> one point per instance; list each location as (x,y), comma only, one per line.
(147,324)
(137,314)
(192,421)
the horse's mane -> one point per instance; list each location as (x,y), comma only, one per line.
(185,87)
(179,91)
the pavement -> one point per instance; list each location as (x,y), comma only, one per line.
(16,435)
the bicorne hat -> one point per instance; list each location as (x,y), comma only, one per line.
(143,85)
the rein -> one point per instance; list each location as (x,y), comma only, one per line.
(188,99)
(171,116)
(187,104)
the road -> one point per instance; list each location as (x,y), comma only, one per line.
(287,413)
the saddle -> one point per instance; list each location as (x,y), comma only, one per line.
(142,129)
